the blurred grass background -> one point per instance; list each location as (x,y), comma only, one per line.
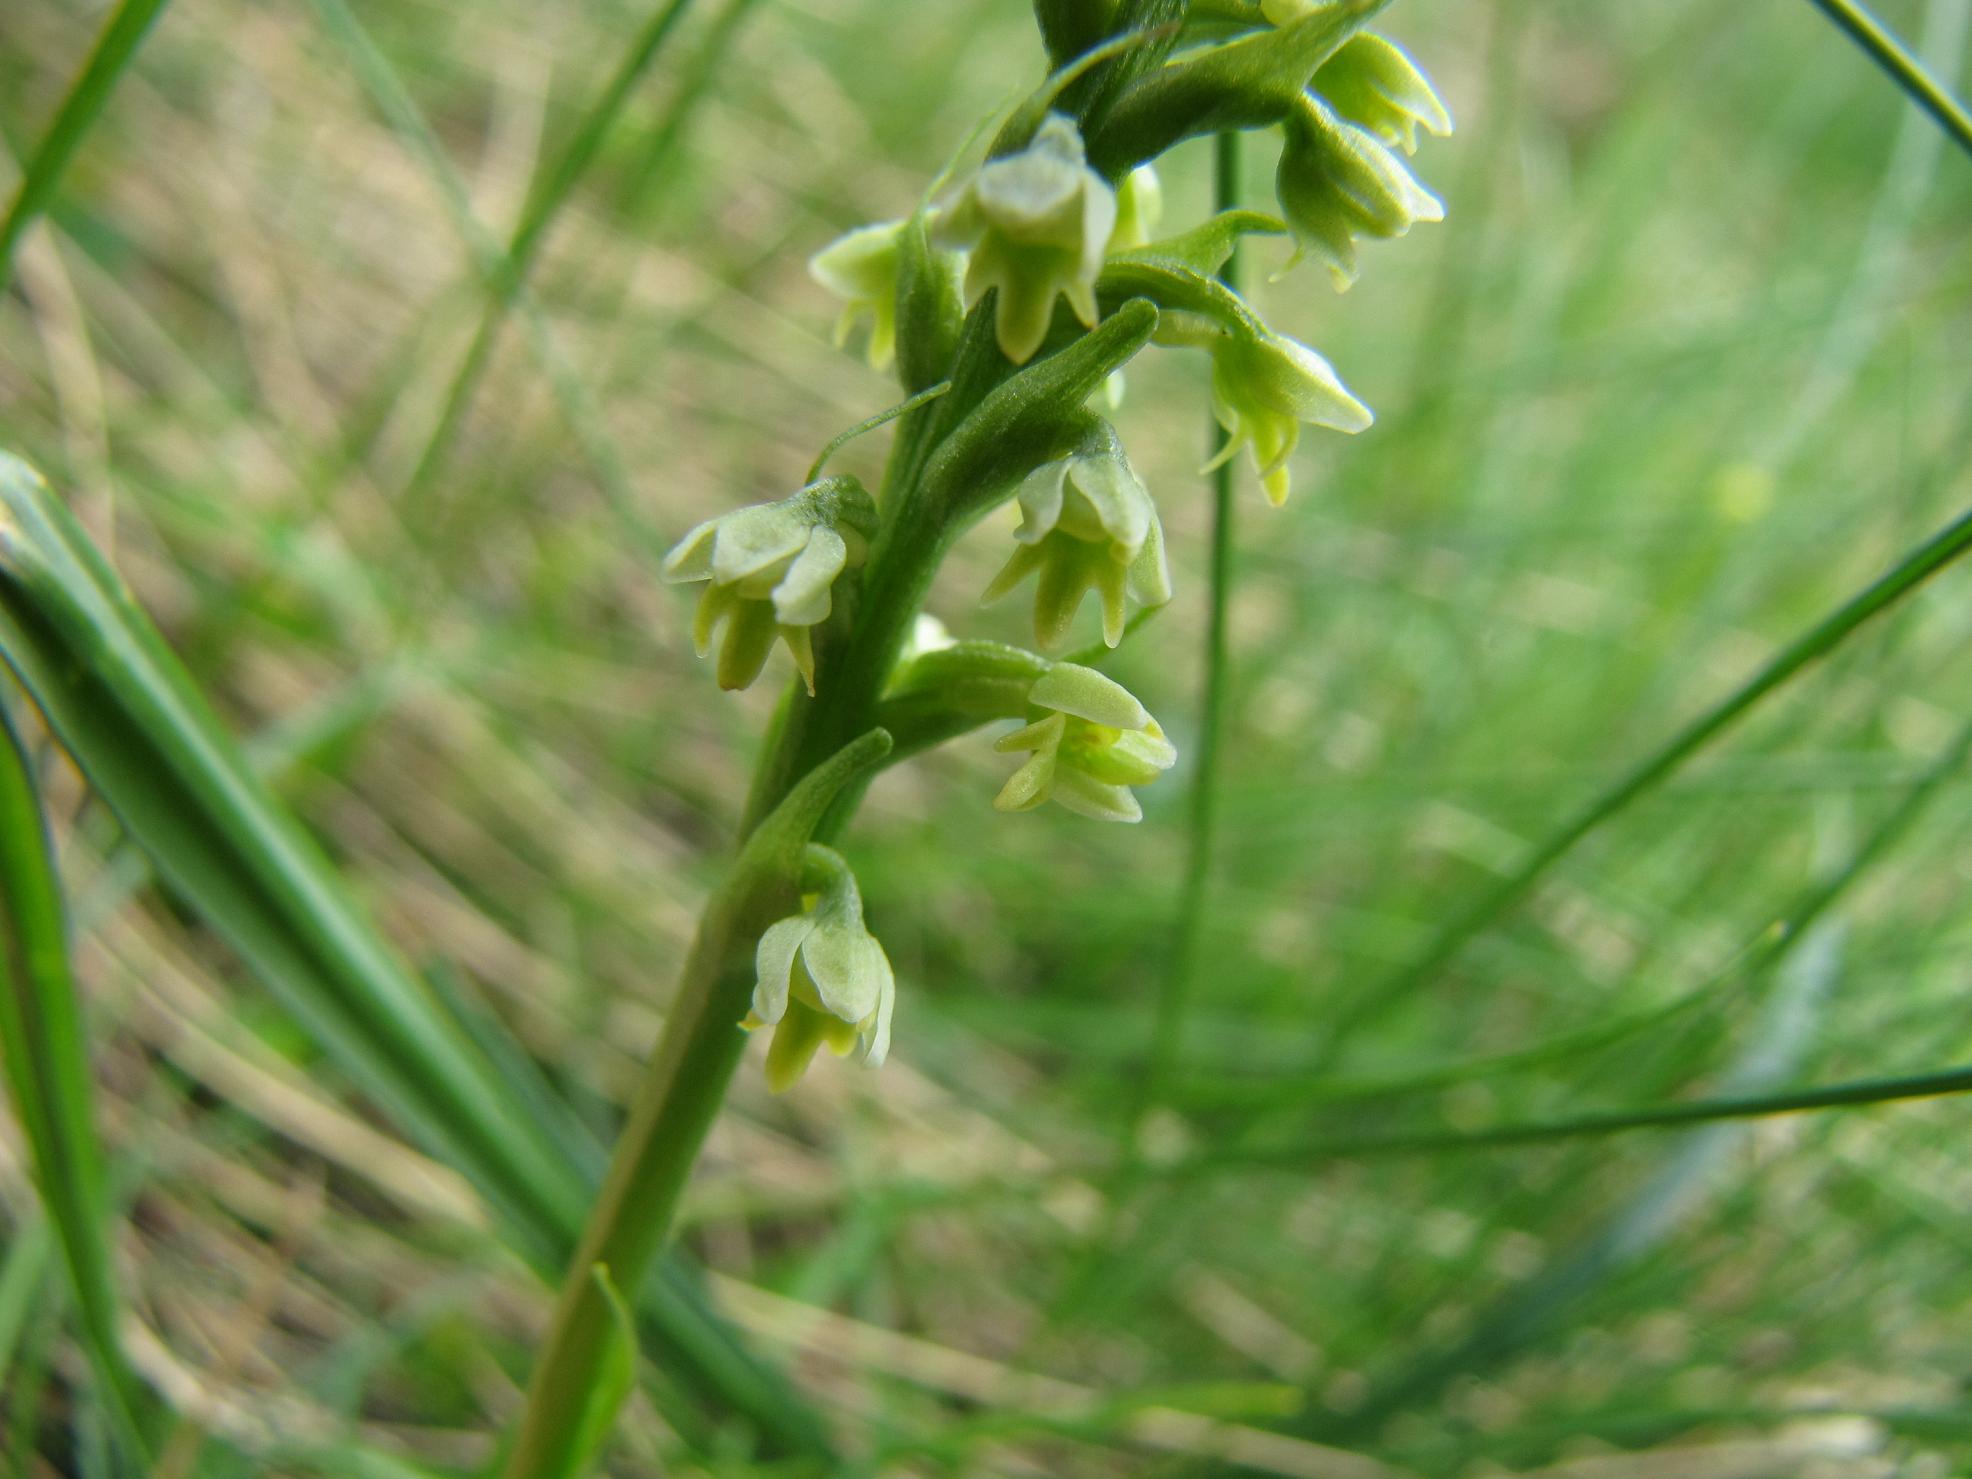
(1684,368)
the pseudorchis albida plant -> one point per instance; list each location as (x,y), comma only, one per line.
(1007,302)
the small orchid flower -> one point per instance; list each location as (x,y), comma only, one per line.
(1094,743)
(1337,181)
(770,570)
(822,977)
(1371,82)
(1037,224)
(1086,523)
(861,268)
(1264,386)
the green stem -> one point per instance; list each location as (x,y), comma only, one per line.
(701,1046)
(1174,1001)
(79,112)
(1905,70)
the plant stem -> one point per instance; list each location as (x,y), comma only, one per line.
(701,1044)
(1174,1000)
(1904,69)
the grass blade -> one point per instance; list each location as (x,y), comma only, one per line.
(1916,567)
(551,189)
(77,114)
(126,710)
(43,1043)
(1883,48)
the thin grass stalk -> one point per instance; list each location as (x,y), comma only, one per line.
(86,99)
(45,1047)
(1202,805)
(1881,45)
(550,192)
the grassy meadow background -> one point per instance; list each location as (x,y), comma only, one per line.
(1684,369)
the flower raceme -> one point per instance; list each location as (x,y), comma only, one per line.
(1092,743)
(1086,523)
(821,977)
(770,570)
(1029,228)
(1037,224)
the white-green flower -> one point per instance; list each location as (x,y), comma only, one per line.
(1093,742)
(770,571)
(1037,224)
(861,268)
(1337,181)
(1086,523)
(822,978)
(1371,82)
(1264,387)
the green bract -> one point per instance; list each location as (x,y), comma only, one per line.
(1037,224)
(821,976)
(1093,742)
(1086,523)
(861,268)
(770,570)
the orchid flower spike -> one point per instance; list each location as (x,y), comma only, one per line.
(770,570)
(822,977)
(1037,223)
(1093,742)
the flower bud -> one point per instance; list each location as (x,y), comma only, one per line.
(1086,523)
(1037,224)
(770,570)
(1263,387)
(1093,742)
(1139,207)
(861,269)
(1336,182)
(1371,82)
(821,977)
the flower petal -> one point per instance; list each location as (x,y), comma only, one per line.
(802,597)
(1087,694)
(773,964)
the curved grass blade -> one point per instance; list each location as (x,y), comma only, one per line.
(131,717)
(77,114)
(43,1044)
(1883,48)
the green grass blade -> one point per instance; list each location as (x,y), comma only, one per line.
(150,746)
(551,190)
(76,116)
(1916,567)
(43,1042)
(1883,48)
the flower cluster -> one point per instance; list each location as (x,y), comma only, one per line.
(1008,303)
